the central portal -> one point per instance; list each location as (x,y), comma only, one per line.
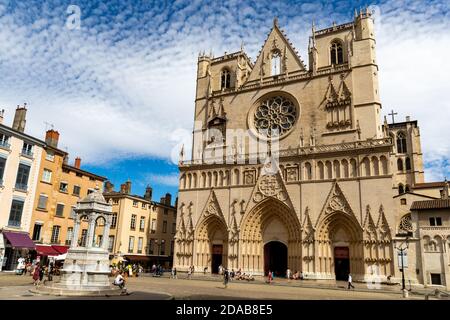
(275,258)
(341,263)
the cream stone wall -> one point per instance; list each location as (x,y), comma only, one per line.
(13,155)
(124,206)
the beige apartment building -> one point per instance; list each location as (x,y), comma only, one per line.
(60,186)
(431,225)
(339,199)
(142,230)
(20,160)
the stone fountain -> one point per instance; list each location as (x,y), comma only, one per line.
(86,268)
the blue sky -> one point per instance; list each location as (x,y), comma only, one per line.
(120,89)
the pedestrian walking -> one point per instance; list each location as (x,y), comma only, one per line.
(130,271)
(350,285)
(269,277)
(288,274)
(174,273)
(226,277)
(35,273)
(41,273)
(50,272)
(20,265)
(189,275)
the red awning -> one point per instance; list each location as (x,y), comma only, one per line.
(19,239)
(46,250)
(60,249)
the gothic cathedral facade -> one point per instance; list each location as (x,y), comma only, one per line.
(329,209)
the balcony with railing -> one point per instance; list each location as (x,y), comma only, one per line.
(4,144)
(14,223)
(21,186)
(27,153)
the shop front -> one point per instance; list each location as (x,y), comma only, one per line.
(55,254)
(13,245)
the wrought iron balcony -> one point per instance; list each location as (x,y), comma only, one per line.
(5,145)
(21,186)
(13,223)
(27,153)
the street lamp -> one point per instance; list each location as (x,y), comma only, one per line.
(402,248)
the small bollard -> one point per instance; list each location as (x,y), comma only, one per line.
(405,293)
(437,293)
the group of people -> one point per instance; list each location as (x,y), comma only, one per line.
(157,270)
(235,275)
(39,271)
(127,269)
(36,269)
(190,272)
(289,275)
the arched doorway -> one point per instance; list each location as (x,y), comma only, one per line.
(341,262)
(271,222)
(275,258)
(340,246)
(211,241)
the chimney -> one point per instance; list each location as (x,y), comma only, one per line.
(109,187)
(162,200)
(20,118)
(66,159)
(2,113)
(125,187)
(77,162)
(168,199)
(52,138)
(148,193)
(445,194)
(408,118)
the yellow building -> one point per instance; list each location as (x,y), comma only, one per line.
(60,186)
(142,230)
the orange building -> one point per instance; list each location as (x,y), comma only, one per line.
(60,186)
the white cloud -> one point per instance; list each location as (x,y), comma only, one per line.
(123,84)
(164,179)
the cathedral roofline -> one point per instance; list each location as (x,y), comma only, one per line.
(229,56)
(402,123)
(336,28)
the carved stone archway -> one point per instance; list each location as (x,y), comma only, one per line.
(338,230)
(252,235)
(210,236)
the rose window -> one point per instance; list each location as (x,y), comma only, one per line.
(275,116)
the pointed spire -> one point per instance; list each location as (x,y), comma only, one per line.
(182,153)
(343,93)
(242,46)
(275,21)
(368,220)
(221,113)
(331,95)
(212,111)
(445,192)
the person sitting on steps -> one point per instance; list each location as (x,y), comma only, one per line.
(120,282)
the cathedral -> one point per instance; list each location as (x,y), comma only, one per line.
(332,205)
